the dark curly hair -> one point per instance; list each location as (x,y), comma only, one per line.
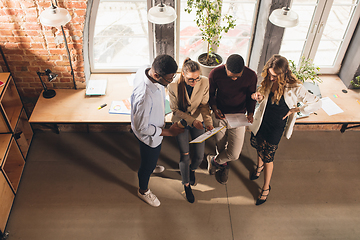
(235,63)
(164,64)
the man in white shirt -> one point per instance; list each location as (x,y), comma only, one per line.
(148,118)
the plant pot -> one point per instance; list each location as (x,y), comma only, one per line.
(206,69)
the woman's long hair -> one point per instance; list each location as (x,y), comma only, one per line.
(280,65)
(188,66)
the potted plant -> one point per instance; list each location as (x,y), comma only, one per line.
(356,82)
(212,24)
(305,71)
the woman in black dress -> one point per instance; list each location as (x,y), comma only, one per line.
(278,96)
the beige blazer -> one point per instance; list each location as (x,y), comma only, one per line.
(199,107)
(292,94)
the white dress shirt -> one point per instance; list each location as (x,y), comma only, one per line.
(147,109)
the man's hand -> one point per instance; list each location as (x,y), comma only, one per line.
(250,117)
(173,131)
(197,124)
(218,114)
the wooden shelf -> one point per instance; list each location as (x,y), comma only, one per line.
(7,198)
(13,165)
(15,138)
(4,144)
(23,133)
(11,105)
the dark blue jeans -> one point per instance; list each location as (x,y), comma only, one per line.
(197,156)
(149,158)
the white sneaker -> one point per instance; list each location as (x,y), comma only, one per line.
(159,169)
(149,198)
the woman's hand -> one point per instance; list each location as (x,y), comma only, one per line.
(257,96)
(209,128)
(197,124)
(291,111)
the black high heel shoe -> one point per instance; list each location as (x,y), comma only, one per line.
(253,175)
(261,201)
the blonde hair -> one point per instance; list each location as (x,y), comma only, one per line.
(280,65)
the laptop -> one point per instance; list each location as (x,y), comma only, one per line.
(313,88)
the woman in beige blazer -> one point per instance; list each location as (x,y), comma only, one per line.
(189,95)
(278,96)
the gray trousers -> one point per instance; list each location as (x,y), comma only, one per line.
(196,156)
(229,141)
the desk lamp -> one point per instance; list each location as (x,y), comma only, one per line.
(55,16)
(48,93)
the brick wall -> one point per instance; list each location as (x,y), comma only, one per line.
(30,47)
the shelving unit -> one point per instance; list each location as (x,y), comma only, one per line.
(15,138)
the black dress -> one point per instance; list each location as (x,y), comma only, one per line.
(271,129)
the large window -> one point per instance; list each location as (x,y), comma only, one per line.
(237,40)
(324,32)
(120,36)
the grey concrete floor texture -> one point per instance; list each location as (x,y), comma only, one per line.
(83,186)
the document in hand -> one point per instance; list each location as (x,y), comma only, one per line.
(237,120)
(121,107)
(207,135)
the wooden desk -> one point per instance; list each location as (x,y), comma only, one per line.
(72,106)
(348,102)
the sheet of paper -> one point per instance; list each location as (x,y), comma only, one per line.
(207,135)
(330,107)
(237,120)
(120,107)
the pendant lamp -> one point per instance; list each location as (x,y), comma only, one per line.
(161,14)
(55,16)
(284,17)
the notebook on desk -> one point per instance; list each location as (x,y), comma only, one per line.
(96,87)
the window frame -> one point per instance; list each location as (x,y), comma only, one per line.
(92,20)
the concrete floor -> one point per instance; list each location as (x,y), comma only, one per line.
(83,186)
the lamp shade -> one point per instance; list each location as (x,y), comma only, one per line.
(54,16)
(284,17)
(161,14)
